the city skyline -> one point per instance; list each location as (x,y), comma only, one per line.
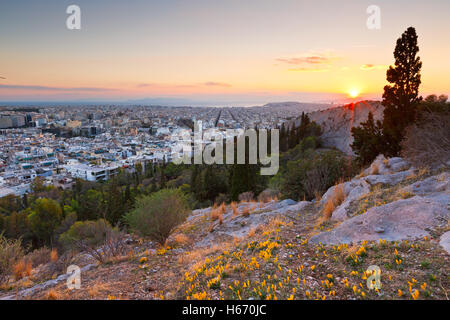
(204,53)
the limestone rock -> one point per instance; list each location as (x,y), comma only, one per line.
(445,241)
(399,220)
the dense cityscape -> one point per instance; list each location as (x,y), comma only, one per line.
(60,144)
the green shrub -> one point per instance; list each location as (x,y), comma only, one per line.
(97,238)
(314,174)
(155,216)
(45,217)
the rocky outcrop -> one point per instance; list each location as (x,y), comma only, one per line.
(337,122)
(435,188)
(239,226)
(403,219)
(353,190)
(383,166)
(382,171)
(445,241)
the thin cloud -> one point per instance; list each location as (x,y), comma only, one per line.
(303,69)
(2,77)
(178,86)
(47,88)
(216,84)
(305,60)
(311,58)
(144,85)
(369,67)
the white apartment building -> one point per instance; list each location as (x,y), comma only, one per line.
(91,173)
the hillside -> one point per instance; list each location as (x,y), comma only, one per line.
(391,215)
(337,122)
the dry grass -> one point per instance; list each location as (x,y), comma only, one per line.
(362,174)
(336,199)
(54,255)
(251,233)
(234,208)
(339,195)
(318,196)
(181,239)
(97,289)
(52,294)
(39,256)
(215,214)
(22,268)
(245,212)
(375,168)
(328,210)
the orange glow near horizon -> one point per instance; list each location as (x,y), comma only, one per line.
(214,52)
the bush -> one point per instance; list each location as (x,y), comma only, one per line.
(45,217)
(428,141)
(267,195)
(313,175)
(11,252)
(221,198)
(39,256)
(246,196)
(22,268)
(97,238)
(157,215)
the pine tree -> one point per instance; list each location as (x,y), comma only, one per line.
(162,178)
(368,140)
(283,139)
(401,98)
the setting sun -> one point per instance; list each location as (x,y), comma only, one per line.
(353,93)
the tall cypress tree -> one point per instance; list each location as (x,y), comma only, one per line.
(401,98)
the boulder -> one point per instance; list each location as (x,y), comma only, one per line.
(240,226)
(445,241)
(353,190)
(387,166)
(399,220)
(434,184)
(389,179)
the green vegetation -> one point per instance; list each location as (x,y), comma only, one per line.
(153,198)
(157,215)
(400,101)
(11,252)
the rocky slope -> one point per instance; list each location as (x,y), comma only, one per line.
(392,215)
(337,122)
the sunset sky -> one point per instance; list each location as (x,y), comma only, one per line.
(237,52)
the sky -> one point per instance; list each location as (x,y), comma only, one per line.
(237,52)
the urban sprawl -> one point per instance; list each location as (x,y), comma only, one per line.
(62,143)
